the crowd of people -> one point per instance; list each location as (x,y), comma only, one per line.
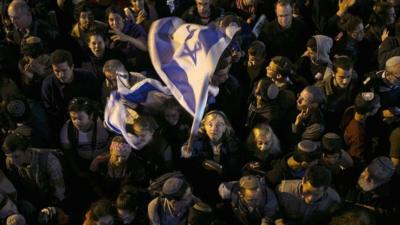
(305,129)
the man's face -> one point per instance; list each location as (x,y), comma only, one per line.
(203,7)
(254,61)
(85,20)
(119,158)
(284,15)
(97,45)
(272,72)
(262,142)
(18,158)
(366,181)
(358,33)
(20,19)
(215,127)
(252,196)
(311,194)
(331,159)
(143,137)
(343,77)
(81,120)
(63,72)
(391,16)
(137,5)
(220,76)
(115,21)
(304,100)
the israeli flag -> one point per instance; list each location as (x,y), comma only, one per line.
(185,57)
(119,111)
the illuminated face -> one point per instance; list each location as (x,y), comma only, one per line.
(311,194)
(203,7)
(20,19)
(272,72)
(343,77)
(172,115)
(97,45)
(366,181)
(262,142)
(143,136)
(284,14)
(81,120)
(254,61)
(63,72)
(115,21)
(304,100)
(85,20)
(252,196)
(215,127)
(119,158)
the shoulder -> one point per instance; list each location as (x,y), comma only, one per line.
(333,195)
(84,74)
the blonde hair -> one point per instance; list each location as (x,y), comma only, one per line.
(264,129)
(229,132)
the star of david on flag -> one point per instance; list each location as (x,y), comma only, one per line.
(185,57)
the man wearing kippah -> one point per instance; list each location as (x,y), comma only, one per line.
(251,200)
(172,207)
(374,189)
(293,165)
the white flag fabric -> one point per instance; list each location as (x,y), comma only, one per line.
(185,57)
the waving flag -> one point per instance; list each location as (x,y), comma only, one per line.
(185,57)
(119,111)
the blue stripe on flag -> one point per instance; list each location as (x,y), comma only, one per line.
(179,78)
(140,94)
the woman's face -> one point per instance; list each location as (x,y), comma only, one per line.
(85,20)
(115,21)
(215,127)
(97,45)
(81,120)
